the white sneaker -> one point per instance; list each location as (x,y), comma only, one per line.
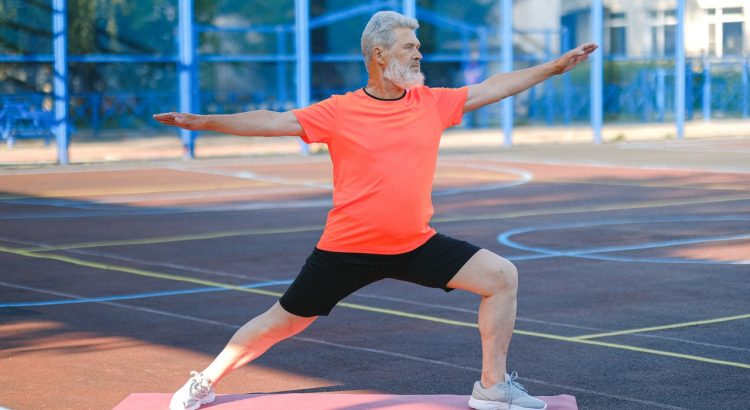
(509,395)
(196,392)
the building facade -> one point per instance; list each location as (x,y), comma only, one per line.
(647,28)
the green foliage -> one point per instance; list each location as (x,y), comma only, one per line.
(122,26)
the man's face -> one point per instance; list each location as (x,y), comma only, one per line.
(403,60)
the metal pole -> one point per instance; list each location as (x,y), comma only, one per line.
(597,70)
(482,35)
(706,89)
(410,8)
(506,30)
(302,40)
(661,84)
(567,92)
(679,97)
(281,91)
(549,90)
(745,89)
(186,71)
(60,41)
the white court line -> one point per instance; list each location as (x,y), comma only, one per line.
(345,346)
(524,177)
(142,262)
(156,196)
(549,323)
(599,164)
(249,206)
(364,295)
(256,177)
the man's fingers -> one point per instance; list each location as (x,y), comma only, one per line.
(171,118)
(585,49)
(588,48)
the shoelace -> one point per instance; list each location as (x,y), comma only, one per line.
(512,382)
(200,384)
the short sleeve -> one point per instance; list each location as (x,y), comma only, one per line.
(450,104)
(317,120)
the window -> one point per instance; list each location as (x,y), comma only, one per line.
(663,32)
(670,40)
(737,11)
(617,39)
(732,41)
(725,27)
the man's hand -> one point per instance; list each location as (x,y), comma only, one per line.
(504,85)
(260,123)
(572,58)
(191,122)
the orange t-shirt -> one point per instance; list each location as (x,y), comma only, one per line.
(384,154)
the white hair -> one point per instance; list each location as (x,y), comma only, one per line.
(380,31)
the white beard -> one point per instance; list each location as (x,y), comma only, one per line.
(402,75)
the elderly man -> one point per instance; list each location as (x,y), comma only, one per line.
(383,141)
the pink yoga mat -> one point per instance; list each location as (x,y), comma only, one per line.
(328,401)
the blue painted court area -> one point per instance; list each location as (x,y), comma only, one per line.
(119,279)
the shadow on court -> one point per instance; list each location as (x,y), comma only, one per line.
(117,280)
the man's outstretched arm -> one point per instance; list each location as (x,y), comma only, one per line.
(504,85)
(259,123)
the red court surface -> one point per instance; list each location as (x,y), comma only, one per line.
(117,280)
(328,401)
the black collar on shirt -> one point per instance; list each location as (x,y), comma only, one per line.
(384,99)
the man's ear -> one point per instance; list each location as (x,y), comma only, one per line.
(377,55)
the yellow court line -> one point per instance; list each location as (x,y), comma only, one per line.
(509,215)
(176,238)
(392,312)
(601,208)
(133,271)
(138,190)
(665,327)
(727,187)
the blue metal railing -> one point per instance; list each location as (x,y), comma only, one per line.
(713,88)
(718,89)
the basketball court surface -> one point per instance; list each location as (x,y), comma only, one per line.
(118,279)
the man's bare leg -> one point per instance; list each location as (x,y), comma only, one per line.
(254,338)
(495,279)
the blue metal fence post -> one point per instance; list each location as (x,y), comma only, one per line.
(706,89)
(689,92)
(302,41)
(661,85)
(186,71)
(549,89)
(506,30)
(597,70)
(567,92)
(482,36)
(60,43)
(745,89)
(410,8)
(281,91)
(679,97)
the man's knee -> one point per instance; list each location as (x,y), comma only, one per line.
(503,276)
(486,274)
(280,322)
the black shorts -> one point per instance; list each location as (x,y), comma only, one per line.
(327,277)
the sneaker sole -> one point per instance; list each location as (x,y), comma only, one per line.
(493,405)
(208,400)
